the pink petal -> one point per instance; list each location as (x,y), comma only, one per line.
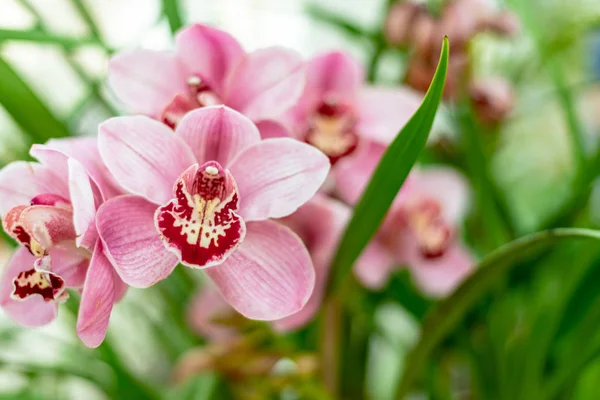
(206,309)
(132,243)
(352,173)
(384,111)
(271,129)
(85,198)
(447,186)
(48,225)
(33,311)
(207,52)
(217,133)
(320,224)
(97,300)
(145,80)
(334,74)
(277,176)
(70,263)
(374,266)
(200,225)
(21,181)
(144,156)
(440,276)
(270,276)
(85,150)
(266,83)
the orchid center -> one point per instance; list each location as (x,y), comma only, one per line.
(200,223)
(433,233)
(199,94)
(332,130)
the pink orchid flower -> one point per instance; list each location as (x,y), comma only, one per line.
(203,197)
(209,67)
(420,230)
(49,208)
(340,116)
(320,224)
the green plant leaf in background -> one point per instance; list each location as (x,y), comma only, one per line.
(25,107)
(388,177)
(450,311)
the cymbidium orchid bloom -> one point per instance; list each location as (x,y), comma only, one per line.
(340,116)
(209,67)
(420,229)
(49,208)
(320,224)
(203,197)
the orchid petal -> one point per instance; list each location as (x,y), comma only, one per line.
(33,311)
(20,181)
(97,300)
(320,224)
(266,82)
(48,225)
(440,276)
(334,74)
(85,198)
(85,150)
(385,111)
(271,129)
(217,133)
(276,176)
(144,156)
(270,276)
(354,172)
(131,241)
(207,52)
(374,266)
(70,263)
(145,80)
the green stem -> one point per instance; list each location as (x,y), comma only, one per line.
(91,24)
(330,346)
(172,11)
(40,36)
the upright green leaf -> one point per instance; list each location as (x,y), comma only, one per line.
(25,107)
(450,311)
(389,176)
(172,11)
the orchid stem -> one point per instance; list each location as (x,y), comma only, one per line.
(330,342)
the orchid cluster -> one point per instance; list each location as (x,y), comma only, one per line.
(245,165)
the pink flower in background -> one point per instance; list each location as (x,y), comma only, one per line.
(49,208)
(320,224)
(340,116)
(419,231)
(203,196)
(209,67)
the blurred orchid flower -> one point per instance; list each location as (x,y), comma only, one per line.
(209,67)
(419,231)
(49,208)
(320,224)
(203,197)
(339,116)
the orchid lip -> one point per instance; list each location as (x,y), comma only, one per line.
(32,282)
(201,224)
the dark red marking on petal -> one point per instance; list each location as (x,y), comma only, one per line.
(31,282)
(201,223)
(332,130)
(176,109)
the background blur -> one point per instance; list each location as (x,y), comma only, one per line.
(53,57)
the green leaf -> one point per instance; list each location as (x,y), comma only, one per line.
(388,177)
(449,312)
(25,107)
(172,11)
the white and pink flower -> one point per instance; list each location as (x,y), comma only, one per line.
(209,67)
(49,208)
(204,196)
